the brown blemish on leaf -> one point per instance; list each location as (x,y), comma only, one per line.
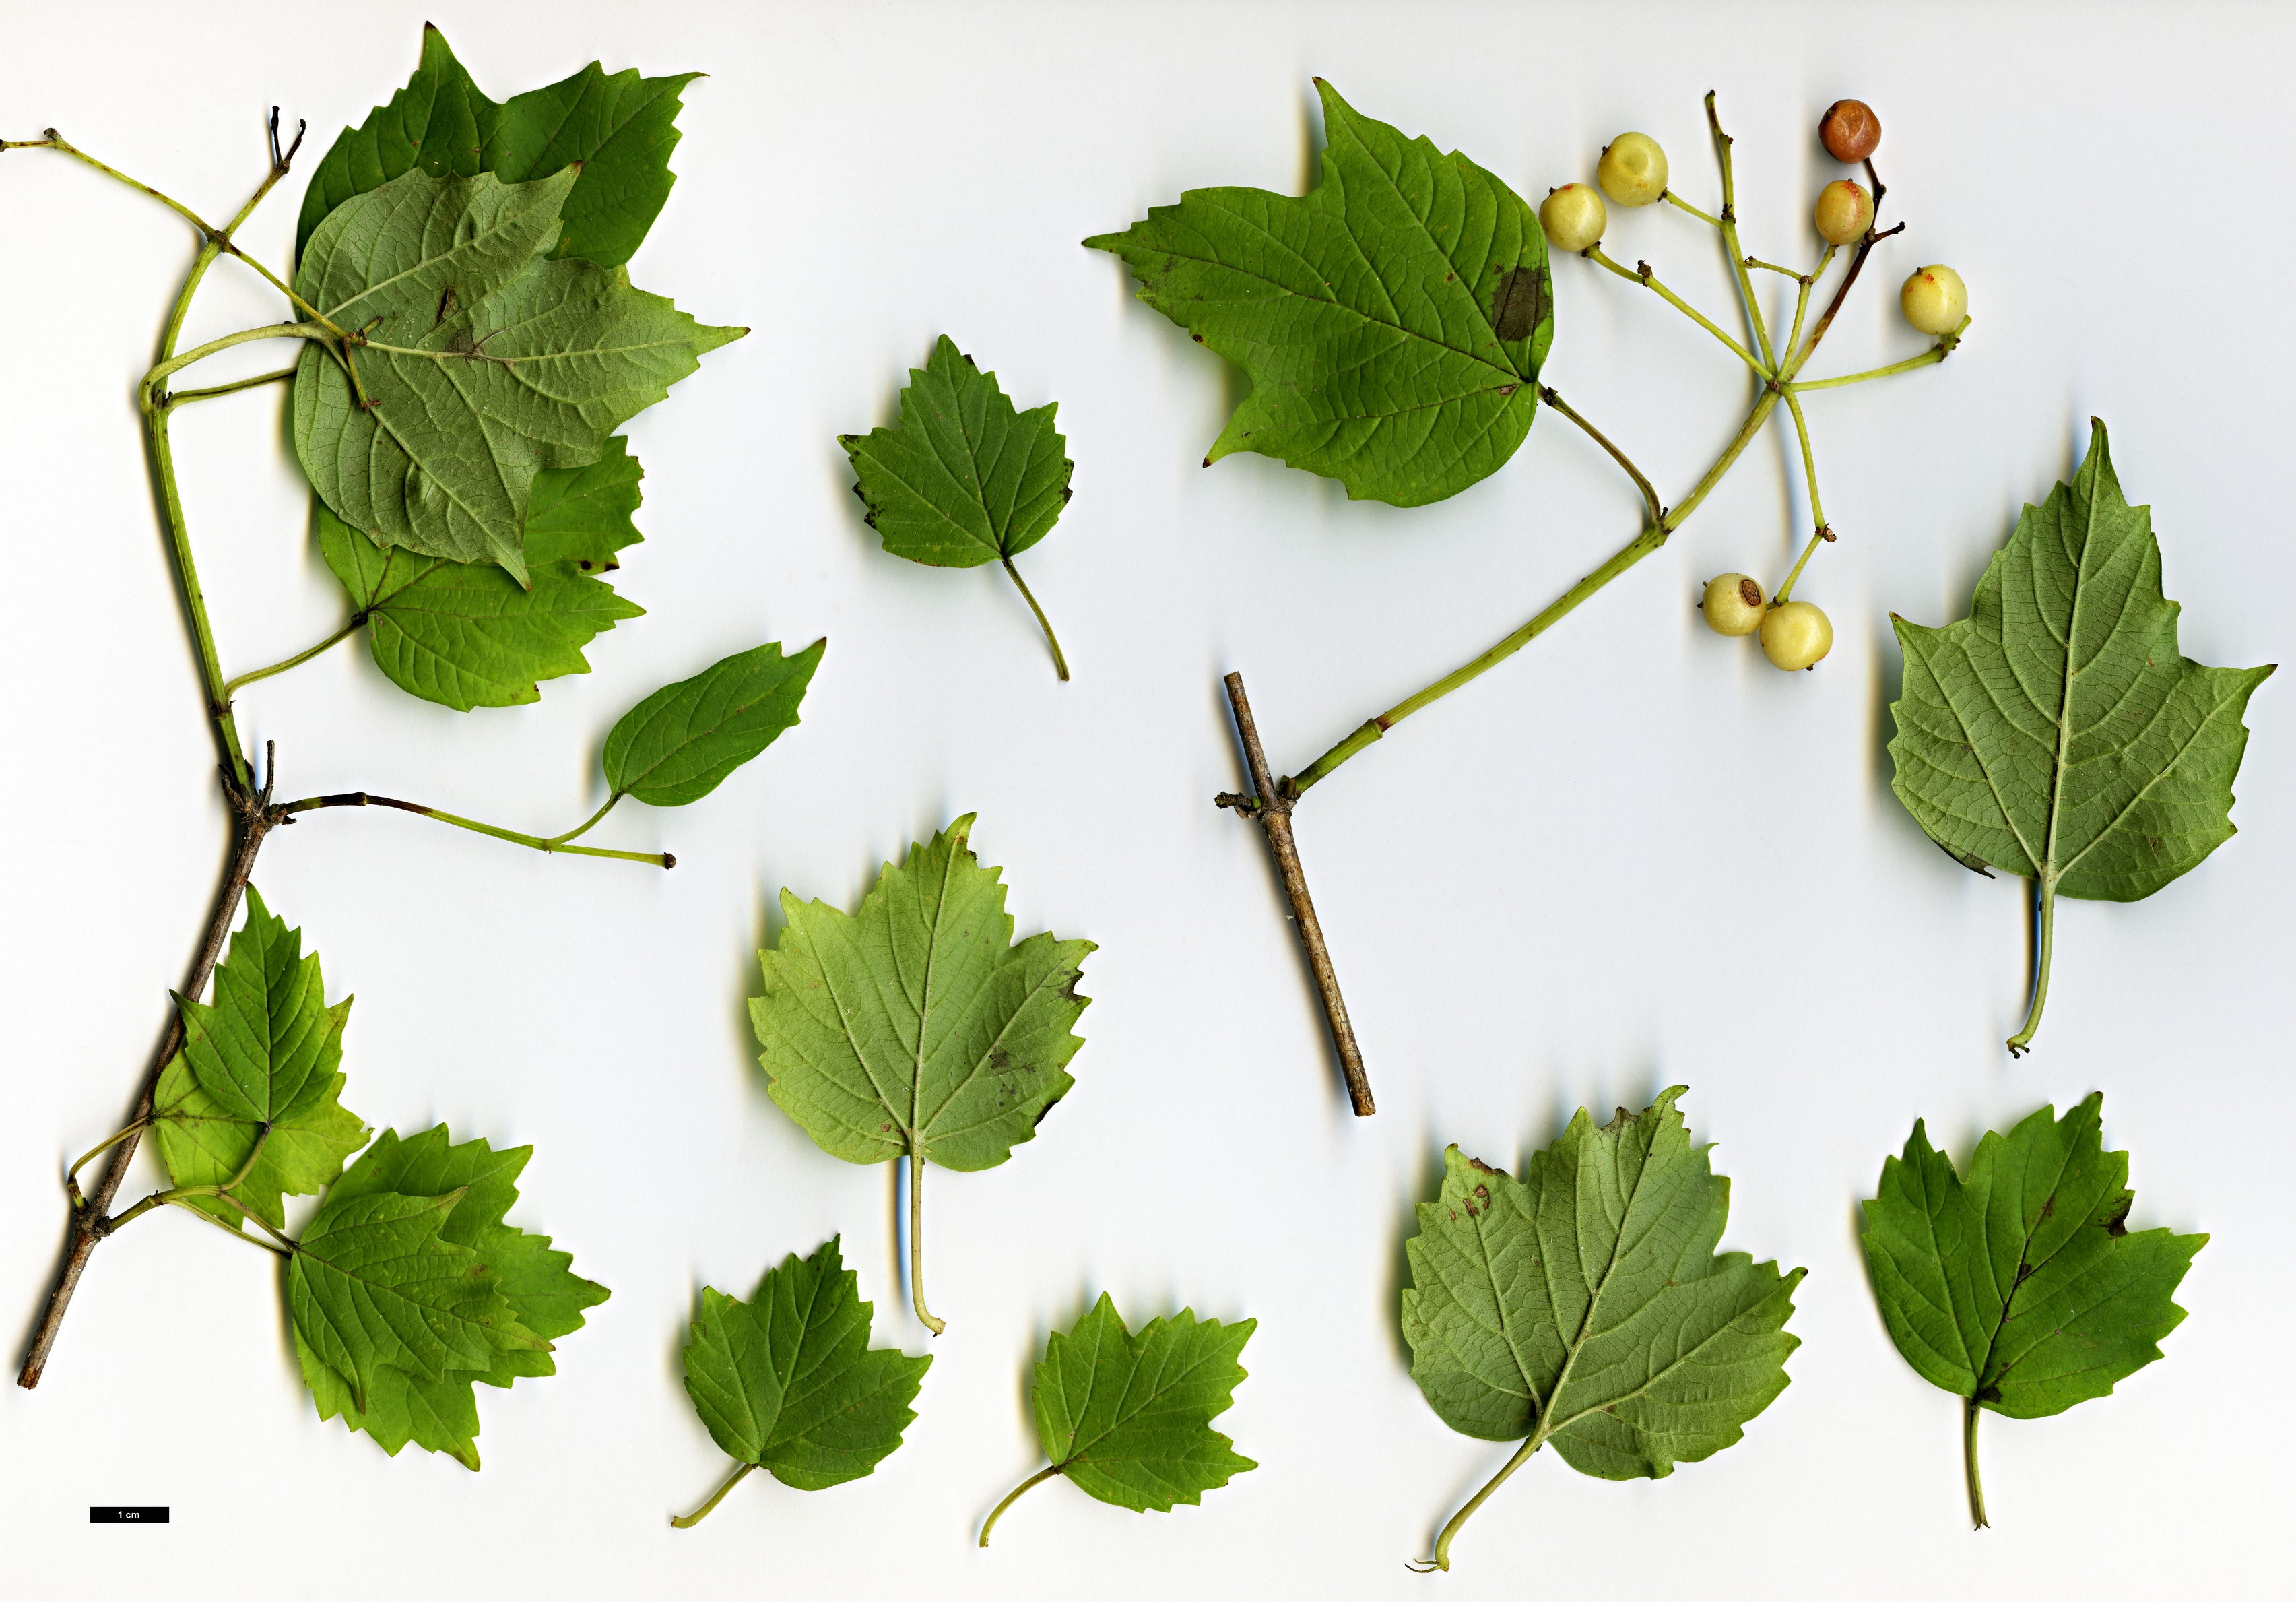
(1518,304)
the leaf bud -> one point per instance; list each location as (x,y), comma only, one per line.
(1632,170)
(1796,635)
(1935,299)
(1850,130)
(1844,212)
(1732,605)
(1574,218)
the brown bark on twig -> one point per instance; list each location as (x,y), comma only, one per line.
(90,1218)
(1271,807)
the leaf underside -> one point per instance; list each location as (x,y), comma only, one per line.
(2020,1287)
(2058,732)
(463,634)
(619,126)
(266,1051)
(409,1286)
(679,743)
(962,478)
(483,361)
(1587,1299)
(917,1023)
(1392,321)
(788,1380)
(1127,1418)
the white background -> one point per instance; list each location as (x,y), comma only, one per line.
(1632,856)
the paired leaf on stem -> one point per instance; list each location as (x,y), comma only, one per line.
(2058,732)
(1126,1417)
(1392,321)
(962,479)
(409,1286)
(788,1382)
(2020,1288)
(679,743)
(916,1028)
(1585,1304)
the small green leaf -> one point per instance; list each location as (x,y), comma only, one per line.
(545,1298)
(464,634)
(1392,321)
(1127,1418)
(1585,1304)
(2058,732)
(2019,1289)
(916,1027)
(264,1055)
(481,363)
(619,129)
(788,1382)
(678,744)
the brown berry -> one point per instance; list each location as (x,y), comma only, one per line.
(1850,130)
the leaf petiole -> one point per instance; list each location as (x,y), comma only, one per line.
(360,798)
(287,1250)
(184,396)
(1031,1482)
(232,687)
(583,828)
(1060,661)
(148,391)
(71,1181)
(917,1240)
(1969,1466)
(1442,1558)
(716,1497)
(2044,917)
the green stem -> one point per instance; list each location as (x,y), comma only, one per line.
(1669,196)
(232,687)
(1643,275)
(195,604)
(1033,1481)
(1060,662)
(1968,1465)
(1933,354)
(148,391)
(917,1243)
(2045,893)
(286,1246)
(1737,252)
(1651,538)
(1802,300)
(55,141)
(1650,496)
(71,1174)
(585,828)
(1772,267)
(360,798)
(716,1497)
(1821,530)
(281,1251)
(184,396)
(1442,1558)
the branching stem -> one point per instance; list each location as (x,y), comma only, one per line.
(716,1497)
(1031,1482)
(1643,275)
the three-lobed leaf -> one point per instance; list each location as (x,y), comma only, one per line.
(788,1382)
(680,742)
(537,1298)
(464,634)
(261,1062)
(618,128)
(2058,732)
(1392,321)
(478,363)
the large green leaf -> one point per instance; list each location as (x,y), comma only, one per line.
(788,1382)
(1392,321)
(546,1299)
(2058,732)
(464,634)
(261,1062)
(1585,1305)
(678,744)
(1126,1418)
(618,128)
(2019,1289)
(916,1027)
(481,363)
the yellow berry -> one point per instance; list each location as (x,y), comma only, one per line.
(1844,212)
(1935,299)
(1632,170)
(1732,605)
(1574,218)
(1796,635)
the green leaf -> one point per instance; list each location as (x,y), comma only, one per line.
(788,1382)
(481,363)
(2058,732)
(464,634)
(1585,1303)
(916,1027)
(2019,1289)
(619,127)
(678,744)
(545,1300)
(267,1052)
(1128,1418)
(1392,321)
(962,479)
